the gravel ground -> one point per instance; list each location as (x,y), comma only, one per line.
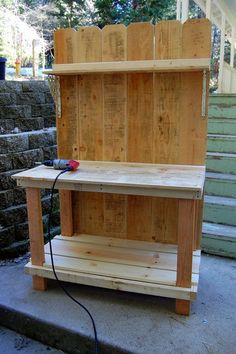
(14,343)
(13,261)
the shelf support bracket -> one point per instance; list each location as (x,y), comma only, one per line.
(204,94)
(54,86)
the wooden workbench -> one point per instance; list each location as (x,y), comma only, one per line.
(135,96)
(137,266)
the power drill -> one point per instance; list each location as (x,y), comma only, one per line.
(59,164)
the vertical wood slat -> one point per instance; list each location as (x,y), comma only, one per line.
(90,130)
(35,225)
(140,46)
(196,43)
(114,48)
(88,207)
(65,52)
(198,224)
(163,143)
(166,124)
(186,231)
(186,228)
(66,218)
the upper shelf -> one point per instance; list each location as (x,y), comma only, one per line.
(173,181)
(131,66)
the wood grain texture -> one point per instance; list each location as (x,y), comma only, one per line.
(183,307)
(115,284)
(140,46)
(141,117)
(89,45)
(196,43)
(35,225)
(167,124)
(116,263)
(168,44)
(114,48)
(198,223)
(66,218)
(88,208)
(169,178)
(186,229)
(39,283)
(65,46)
(131,66)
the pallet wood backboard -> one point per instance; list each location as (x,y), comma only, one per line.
(138,117)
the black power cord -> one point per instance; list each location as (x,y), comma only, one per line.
(53,267)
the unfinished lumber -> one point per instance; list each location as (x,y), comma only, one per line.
(66,52)
(133,103)
(35,225)
(131,66)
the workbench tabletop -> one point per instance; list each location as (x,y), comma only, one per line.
(120,177)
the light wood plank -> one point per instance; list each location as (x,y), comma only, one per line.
(39,282)
(166,123)
(168,177)
(145,274)
(35,225)
(186,226)
(66,212)
(196,42)
(89,45)
(198,223)
(116,283)
(168,42)
(129,244)
(183,307)
(65,52)
(140,42)
(114,47)
(87,206)
(133,66)
(119,255)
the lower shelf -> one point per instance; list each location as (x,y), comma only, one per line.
(136,266)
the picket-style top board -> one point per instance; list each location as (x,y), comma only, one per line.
(139,117)
(174,65)
(124,178)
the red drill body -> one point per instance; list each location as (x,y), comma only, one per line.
(60,164)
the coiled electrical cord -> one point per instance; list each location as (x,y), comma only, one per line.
(53,267)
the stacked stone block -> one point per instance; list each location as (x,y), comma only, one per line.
(27,135)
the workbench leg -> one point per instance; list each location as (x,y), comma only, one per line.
(183,307)
(66,212)
(36,234)
(186,231)
(198,224)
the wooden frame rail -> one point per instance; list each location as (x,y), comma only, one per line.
(170,181)
(131,66)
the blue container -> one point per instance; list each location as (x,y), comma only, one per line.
(2,68)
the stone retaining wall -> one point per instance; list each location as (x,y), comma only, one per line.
(27,135)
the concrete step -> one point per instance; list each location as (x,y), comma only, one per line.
(220,184)
(221,162)
(222,106)
(220,210)
(226,111)
(222,98)
(221,143)
(222,126)
(219,239)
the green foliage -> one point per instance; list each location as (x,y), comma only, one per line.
(6,4)
(2,48)
(70,12)
(110,11)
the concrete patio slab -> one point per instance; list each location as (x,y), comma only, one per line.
(126,322)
